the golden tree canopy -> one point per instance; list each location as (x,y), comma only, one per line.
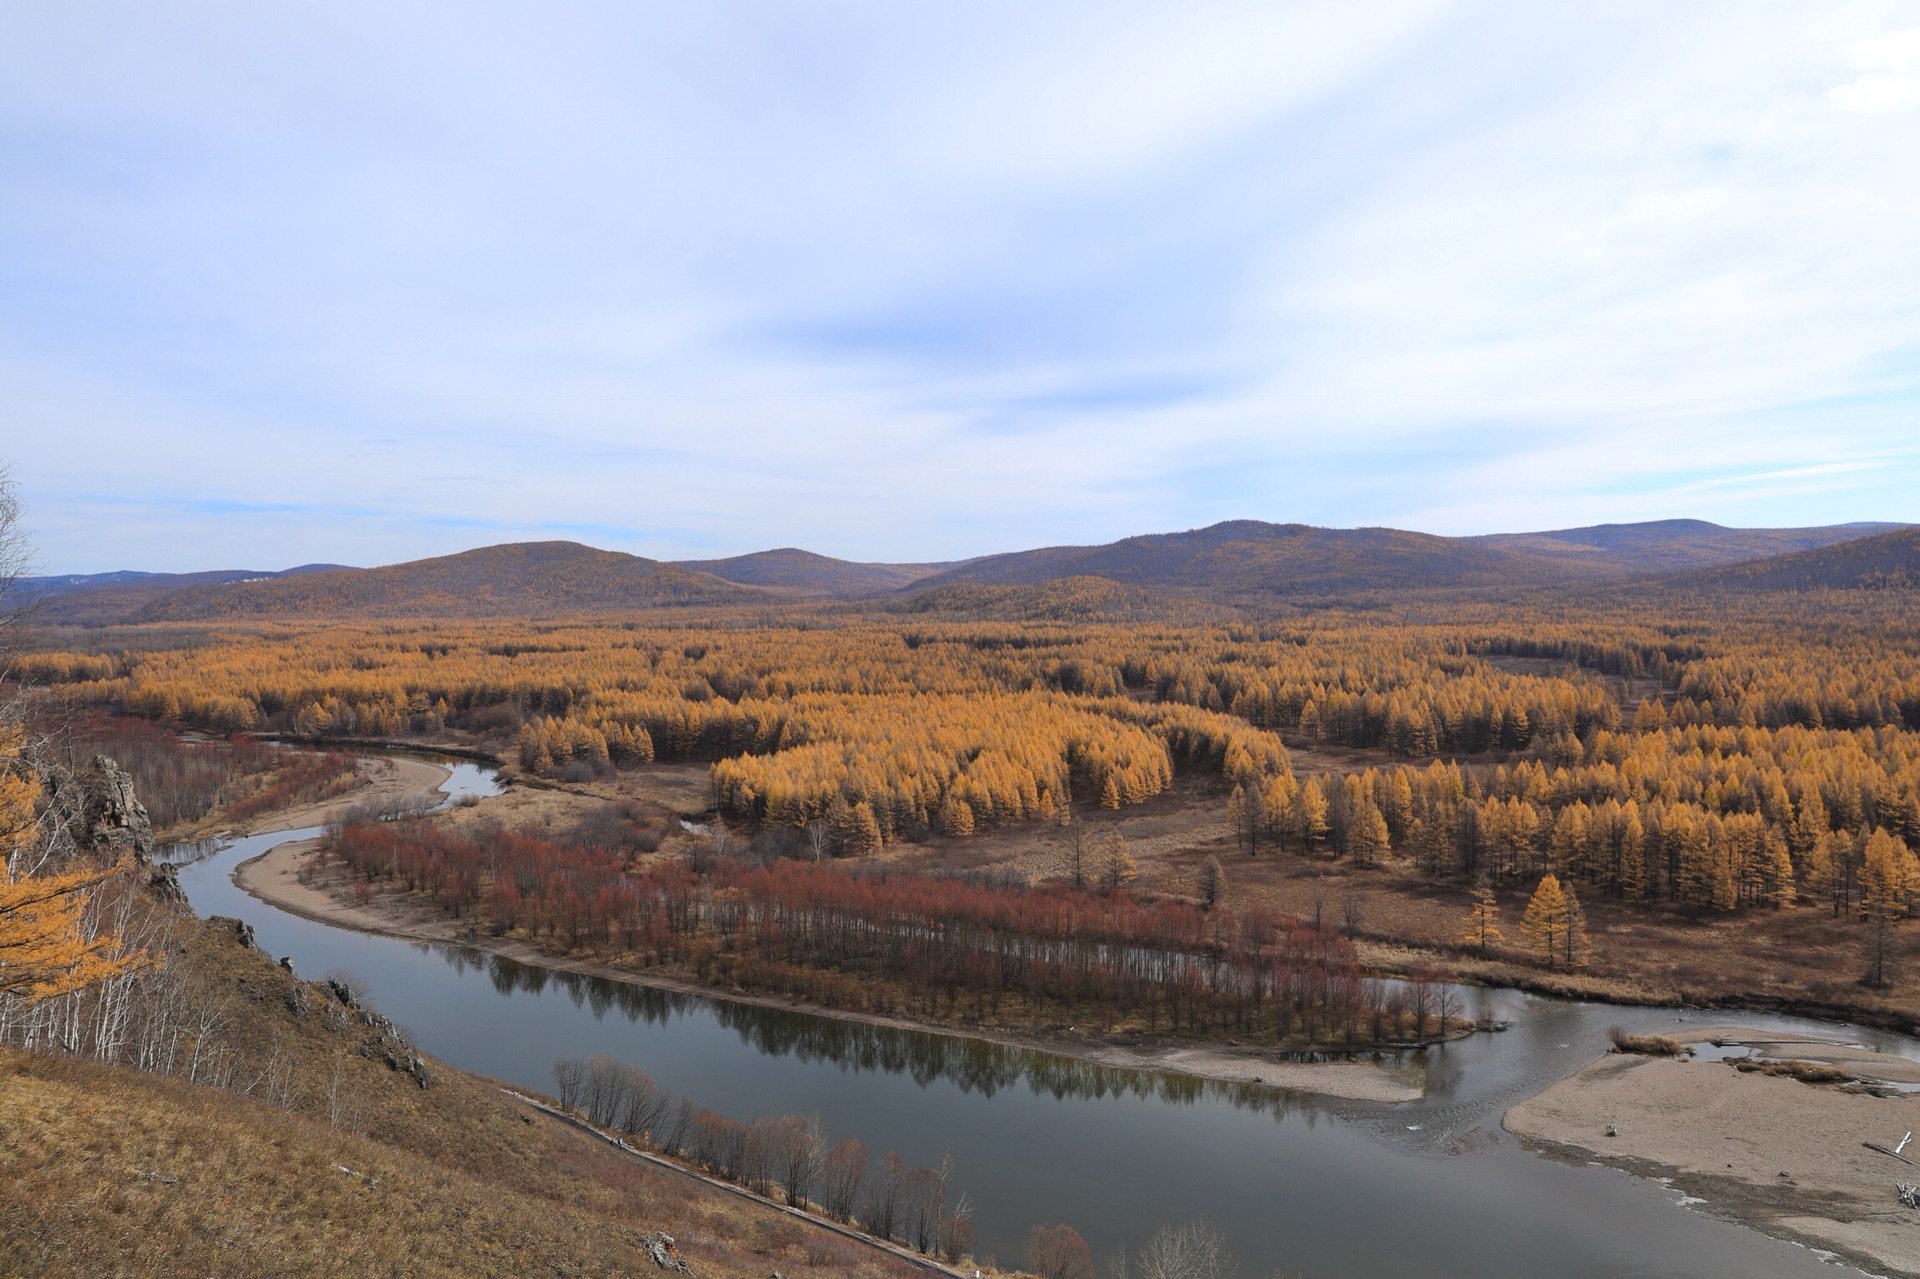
(44,946)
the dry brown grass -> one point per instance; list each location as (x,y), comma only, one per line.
(1807,1072)
(1646,1045)
(107,1172)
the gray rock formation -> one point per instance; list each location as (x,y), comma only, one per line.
(115,821)
(102,816)
(241,929)
(660,1250)
(387,1044)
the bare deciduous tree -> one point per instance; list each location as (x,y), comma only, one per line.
(799,1145)
(1058,1252)
(842,1178)
(1193,1250)
(881,1212)
(569,1074)
(1077,853)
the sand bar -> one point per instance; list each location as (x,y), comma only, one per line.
(1772,1152)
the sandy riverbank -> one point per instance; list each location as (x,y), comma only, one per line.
(274,877)
(385,780)
(1769,1151)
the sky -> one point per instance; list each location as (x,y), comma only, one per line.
(360,283)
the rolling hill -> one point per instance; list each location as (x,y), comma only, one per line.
(1661,546)
(1885,561)
(804,573)
(99,598)
(1246,557)
(1236,563)
(518,579)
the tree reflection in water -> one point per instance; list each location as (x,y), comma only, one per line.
(972,1065)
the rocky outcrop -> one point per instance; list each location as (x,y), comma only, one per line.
(103,817)
(386,1043)
(115,822)
(660,1250)
(242,931)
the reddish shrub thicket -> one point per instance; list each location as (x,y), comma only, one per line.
(889,938)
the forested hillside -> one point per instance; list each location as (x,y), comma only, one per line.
(1885,562)
(1666,546)
(804,573)
(1248,558)
(1242,568)
(521,579)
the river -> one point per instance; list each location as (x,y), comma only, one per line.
(1300,1184)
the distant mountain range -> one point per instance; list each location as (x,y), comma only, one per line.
(103,598)
(1237,563)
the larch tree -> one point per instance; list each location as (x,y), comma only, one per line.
(1367,834)
(1076,855)
(1213,878)
(1483,921)
(46,945)
(1243,816)
(1886,878)
(1117,866)
(1546,922)
(1313,825)
(956,816)
(1576,948)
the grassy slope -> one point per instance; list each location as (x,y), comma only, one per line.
(457,1180)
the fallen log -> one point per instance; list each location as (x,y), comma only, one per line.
(1888,1150)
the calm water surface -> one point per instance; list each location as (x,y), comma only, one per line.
(1301,1185)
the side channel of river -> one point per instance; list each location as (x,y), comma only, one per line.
(1301,1185)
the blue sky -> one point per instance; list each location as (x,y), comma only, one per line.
(364,282)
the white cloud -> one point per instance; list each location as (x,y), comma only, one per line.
(1890,75)
(918,282)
